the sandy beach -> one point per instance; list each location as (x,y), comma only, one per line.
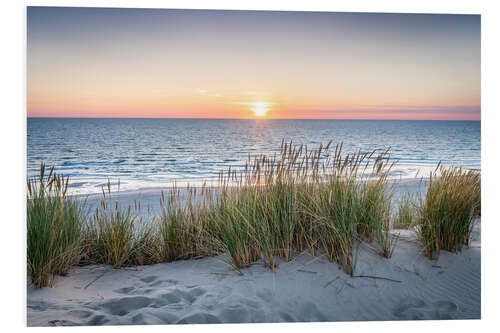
(307,289)
(267,165)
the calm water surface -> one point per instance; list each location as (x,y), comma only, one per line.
(157,152)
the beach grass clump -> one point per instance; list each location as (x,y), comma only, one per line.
(231,222)
(333,209)
(54,228)
(407,212)
(301,200)
(307,229)
(374,208)
(449,209)
(117,236)
(374,215)
(113,235)
(183,228)
(173,229)
(147,248)
(277,219)
(268,238)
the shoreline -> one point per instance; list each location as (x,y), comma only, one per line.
(408,173)
(150,196)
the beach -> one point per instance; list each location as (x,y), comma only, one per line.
(407,286)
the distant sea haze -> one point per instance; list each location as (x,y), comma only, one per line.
(145,153)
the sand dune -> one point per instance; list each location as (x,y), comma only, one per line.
(406,287)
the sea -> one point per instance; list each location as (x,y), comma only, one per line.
(153,153)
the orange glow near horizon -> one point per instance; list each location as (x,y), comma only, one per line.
(194,106)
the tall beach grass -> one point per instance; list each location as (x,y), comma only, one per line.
(447,212)
(300,199)
(54,227)
(406,214)
(320,201)
(117,236)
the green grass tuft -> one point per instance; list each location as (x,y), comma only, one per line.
(407,212)
(448,210)
(54,228)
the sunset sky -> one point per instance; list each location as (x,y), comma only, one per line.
(95,62)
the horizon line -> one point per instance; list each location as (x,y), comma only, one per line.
(203,118)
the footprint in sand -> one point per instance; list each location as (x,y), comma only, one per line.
(148,288)
(123,305)
(264,294)
(310,312)
(286,317)
(178,298)
(43,306)
(163,282)
(147,319)
(153,281)
(125,290)
(62,323)
(97,321)
(149,279)
(445,309)
(167,299)
(199,318)
(164,316)
(413,308)
(235,314)
(80,313)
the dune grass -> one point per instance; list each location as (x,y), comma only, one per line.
(54,228)
(321,201)
(333,208)
(117,236)
(407,211)
(374,213)
(183,229)
(446,214)
(300,200)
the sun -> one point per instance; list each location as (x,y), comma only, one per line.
(260,108)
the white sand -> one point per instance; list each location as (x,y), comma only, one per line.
(305,289)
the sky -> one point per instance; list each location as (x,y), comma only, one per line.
(165,63)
